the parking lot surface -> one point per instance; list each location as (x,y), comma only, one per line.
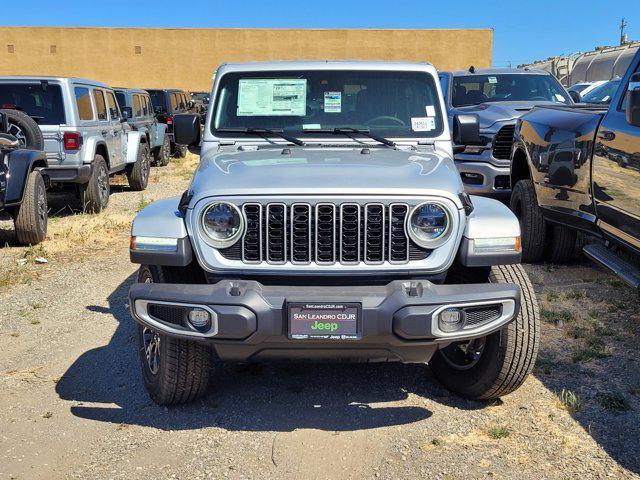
(74,406)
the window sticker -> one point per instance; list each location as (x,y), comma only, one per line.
(423,124)
(332,102)
(559,98)
(493,80)
(311,126)
(431,111)
(272,97)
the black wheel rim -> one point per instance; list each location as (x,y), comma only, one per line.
(464,355)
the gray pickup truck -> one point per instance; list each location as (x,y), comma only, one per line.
(327,221)
(137,109)
(85,136)
(577,169)
(498,96)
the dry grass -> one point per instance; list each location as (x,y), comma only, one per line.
(184,167)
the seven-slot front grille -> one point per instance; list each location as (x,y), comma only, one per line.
(325,234)
(503,141)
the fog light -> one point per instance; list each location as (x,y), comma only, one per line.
(450,320)
(200,318)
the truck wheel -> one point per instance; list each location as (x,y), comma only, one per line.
(138,173)
(94,195)
(562,244)
(180,151)
(174,371)
(493,366)
(532,225)
(31,217)
(25,129)
(163,154)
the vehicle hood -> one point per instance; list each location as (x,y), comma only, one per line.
(490,114)
(325,171)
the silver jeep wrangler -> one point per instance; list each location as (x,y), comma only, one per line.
(85,135)
(327,221)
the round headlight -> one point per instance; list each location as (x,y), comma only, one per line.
(222,223)
(429,225)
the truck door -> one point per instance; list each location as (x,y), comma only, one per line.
(616,171)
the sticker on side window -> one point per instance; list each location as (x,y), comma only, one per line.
(272,97)
(423,124)
(431,111)
(332,102)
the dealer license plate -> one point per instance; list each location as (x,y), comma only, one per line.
(324,321)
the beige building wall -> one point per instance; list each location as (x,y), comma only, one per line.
(187,58)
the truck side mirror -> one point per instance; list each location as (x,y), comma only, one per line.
(633,101)
(127,113)
(466,130)
(4,126)
(575,96)
(186,130)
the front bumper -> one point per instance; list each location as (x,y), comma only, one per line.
(398,320)
(481,176)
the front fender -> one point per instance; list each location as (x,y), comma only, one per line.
(154,232)
(20,164)
(490,219)
(133,144)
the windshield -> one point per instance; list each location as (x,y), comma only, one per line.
(476,89)
(388,104)
(602,94)
(200,96)
(41,101)
(157,98)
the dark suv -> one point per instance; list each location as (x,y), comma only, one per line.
(166,104)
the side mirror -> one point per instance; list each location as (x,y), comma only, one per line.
(158,110)
(575,96)
(466,130)
(190,104)
(127,113)
(4,126)
(633,101)
(186,129)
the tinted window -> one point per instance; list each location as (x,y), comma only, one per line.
(122,101)
(43,104)
(443,85)
(114,113)
(101,107)
(157,98)
(137,108)
(578,87)
(476,89)
(83,101)
(145,105)
(392,104)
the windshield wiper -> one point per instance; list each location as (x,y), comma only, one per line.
(359,131)
(263,132)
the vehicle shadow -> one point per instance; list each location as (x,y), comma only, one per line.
(252,397)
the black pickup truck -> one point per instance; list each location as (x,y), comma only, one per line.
(577,168)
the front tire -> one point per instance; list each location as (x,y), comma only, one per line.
(495,365)
(94,195)
(174,371)
(32,214)
(562,244)
(138,173)
(532,225)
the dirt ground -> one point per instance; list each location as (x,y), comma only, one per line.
(73,404)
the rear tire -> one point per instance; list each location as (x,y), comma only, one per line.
(532,225)
(180,151)
(562,244)
(32,214)
(94,195)
(25,129)
(505,357)
(138,173)
(174,371)
(163,154)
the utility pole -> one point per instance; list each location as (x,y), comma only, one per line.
(623,35)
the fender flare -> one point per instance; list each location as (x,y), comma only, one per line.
(21,163)
(134,139)
(90,147)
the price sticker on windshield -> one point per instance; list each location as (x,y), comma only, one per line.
(423,124)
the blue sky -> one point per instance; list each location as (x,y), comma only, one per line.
(523,30)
